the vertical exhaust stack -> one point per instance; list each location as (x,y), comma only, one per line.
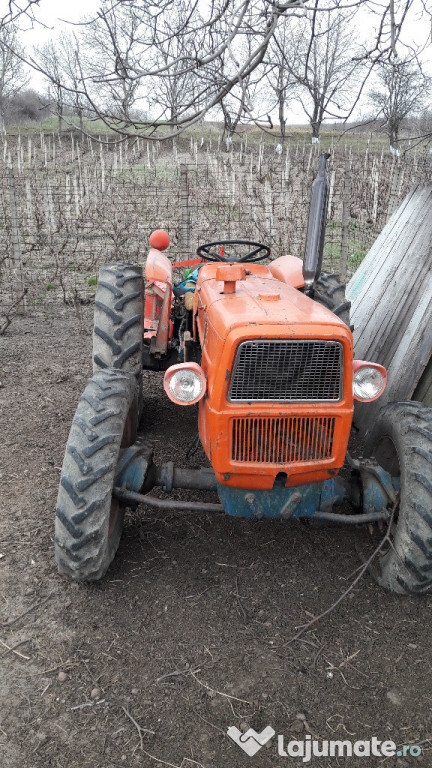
(316,226)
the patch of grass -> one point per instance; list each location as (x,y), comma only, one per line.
(359,243)
(212,131)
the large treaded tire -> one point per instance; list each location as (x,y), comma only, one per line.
(329,292)
(118,318)
(88,521)
(401,441)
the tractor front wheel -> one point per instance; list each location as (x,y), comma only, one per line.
(401,441)
(89,520)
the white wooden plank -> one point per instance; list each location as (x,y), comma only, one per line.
(396,305)
(387,256)
(413,352)
(402,275)
(393,235)
(391,296)
(372,262)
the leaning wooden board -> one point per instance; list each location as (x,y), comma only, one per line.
(391,295)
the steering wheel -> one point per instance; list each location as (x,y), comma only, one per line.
(256,252)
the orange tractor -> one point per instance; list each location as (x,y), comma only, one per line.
(266,352)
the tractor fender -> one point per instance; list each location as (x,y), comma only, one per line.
(158,298)
(288,269)
(158,268)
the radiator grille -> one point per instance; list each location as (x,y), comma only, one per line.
(287,371)
(282,440)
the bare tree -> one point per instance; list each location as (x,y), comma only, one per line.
(113,49)
(232,111)
(18,11)
(403,91)
(237,104)
(172,91)
(12,75)
(49,56)
(62,69)
(177,84)
(125,70)
(239,107)
(424,123)
(69,65)
(14,15)
(320,56)
(281,83)
(233,108)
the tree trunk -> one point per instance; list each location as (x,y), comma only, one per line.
(173,115)
(316,119)
(282,120)
(315,129)
(2,118)
(394,135)
(60,116)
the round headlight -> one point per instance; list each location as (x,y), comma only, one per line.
(368,383)
(185,385)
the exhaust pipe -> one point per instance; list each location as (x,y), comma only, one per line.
(316,226)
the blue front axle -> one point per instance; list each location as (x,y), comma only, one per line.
(370,489)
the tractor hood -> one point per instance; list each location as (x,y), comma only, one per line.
(255,301)
(239,303)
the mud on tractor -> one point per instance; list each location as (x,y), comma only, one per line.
(265,350)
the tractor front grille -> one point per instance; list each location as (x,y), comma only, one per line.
(287,370)
(282,440)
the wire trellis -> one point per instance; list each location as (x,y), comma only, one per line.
(66,207)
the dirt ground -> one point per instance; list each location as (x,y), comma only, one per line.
(189,633)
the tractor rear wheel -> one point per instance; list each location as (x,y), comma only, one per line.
(118,329)
(401,441)
(89,520)
(329,292)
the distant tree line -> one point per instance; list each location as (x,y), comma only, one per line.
(156,68)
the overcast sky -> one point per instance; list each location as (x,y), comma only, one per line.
(50,11)
(53,12)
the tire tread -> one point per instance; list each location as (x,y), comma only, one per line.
(330,293)
(407,567)
(84,546)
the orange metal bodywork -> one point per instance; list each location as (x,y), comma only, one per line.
(288,269)
(264,305)
(158,274)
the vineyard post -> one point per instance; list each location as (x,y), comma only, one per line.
(184,204)
(15,235)
(345,222)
